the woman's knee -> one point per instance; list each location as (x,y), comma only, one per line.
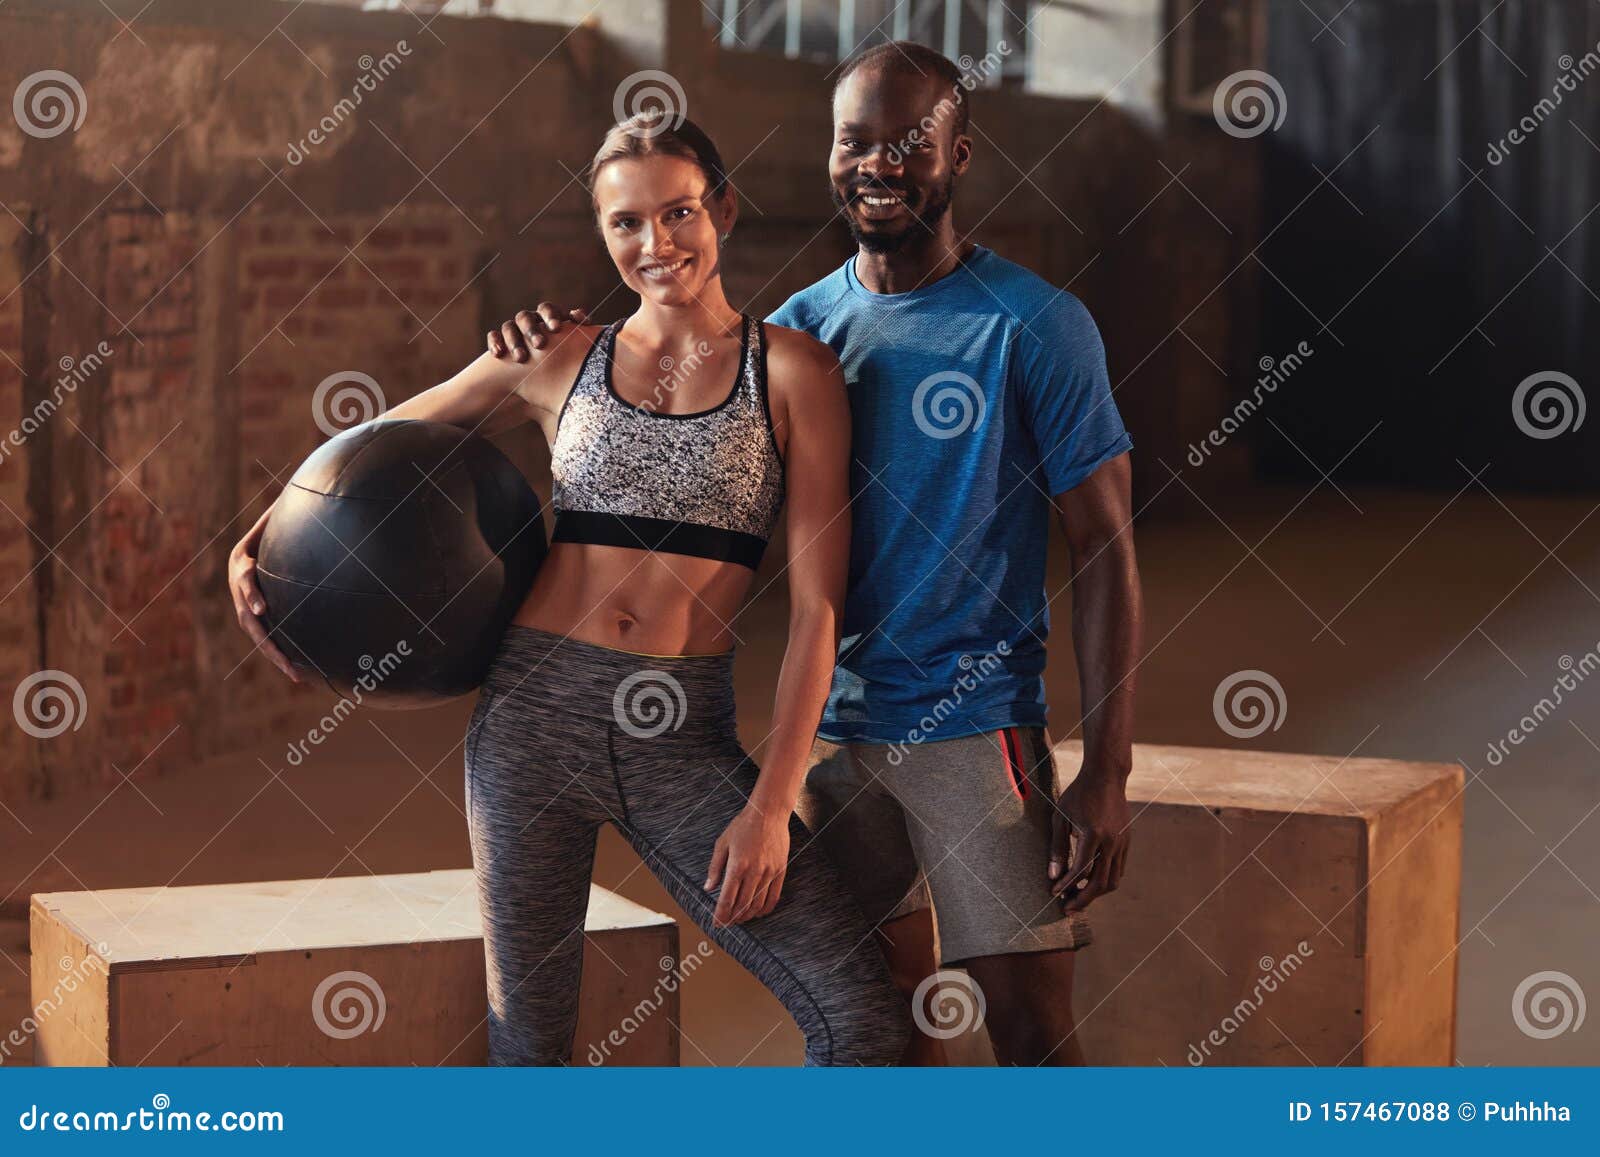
(877,1033)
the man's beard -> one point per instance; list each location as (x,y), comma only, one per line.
(921,223)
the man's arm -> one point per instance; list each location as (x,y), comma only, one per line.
(1107,626)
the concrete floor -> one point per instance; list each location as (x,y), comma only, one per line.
(1405,625)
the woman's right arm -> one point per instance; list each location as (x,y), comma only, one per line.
(488,397)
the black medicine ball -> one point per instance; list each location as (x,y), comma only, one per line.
(395,558)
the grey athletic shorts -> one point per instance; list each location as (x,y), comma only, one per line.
(962,824)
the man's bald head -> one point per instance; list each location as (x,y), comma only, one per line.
(908,61)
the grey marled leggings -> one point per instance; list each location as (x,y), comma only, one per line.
(568,734)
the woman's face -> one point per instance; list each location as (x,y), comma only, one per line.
(660,229)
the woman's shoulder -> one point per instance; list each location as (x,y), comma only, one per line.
(793,353)
(570,344)
(544,379)
(563,352)
(804,380)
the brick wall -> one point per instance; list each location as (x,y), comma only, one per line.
(145,529)
(19,640)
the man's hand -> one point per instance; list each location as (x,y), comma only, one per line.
(751,858)
(529,330)
(1093,813)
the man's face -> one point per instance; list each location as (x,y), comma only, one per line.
(896,155)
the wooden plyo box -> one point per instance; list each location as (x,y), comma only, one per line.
(349,970)
(1277,910)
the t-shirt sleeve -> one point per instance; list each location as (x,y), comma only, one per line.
(1060,368)
(787,314)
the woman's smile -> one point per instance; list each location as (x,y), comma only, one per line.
(658,271)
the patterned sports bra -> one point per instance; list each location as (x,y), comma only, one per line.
(708,484)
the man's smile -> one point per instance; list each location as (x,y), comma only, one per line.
(878,204)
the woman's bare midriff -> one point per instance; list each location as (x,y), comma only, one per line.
(636,600)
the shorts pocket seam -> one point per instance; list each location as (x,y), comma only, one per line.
(1042,770)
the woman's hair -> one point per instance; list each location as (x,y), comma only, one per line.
(659,132)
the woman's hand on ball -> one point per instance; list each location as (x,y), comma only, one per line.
(750,859)
(248,605)
(530,329)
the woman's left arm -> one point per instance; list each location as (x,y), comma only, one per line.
(807,394)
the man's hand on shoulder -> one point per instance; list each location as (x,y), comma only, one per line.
(530,329)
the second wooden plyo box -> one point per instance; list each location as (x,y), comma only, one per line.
(348,970)
(1277,909)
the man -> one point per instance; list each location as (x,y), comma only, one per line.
(979,400)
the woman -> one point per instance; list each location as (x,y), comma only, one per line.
(611,697)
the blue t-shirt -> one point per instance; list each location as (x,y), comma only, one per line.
(974,398)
